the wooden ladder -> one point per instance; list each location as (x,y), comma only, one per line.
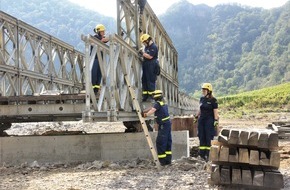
(143,124)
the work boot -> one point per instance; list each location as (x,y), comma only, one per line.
(202,154)
(97,93)
(162,162)
(168,162)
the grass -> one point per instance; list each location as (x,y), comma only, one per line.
(270,99)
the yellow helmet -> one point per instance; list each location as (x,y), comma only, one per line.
(157,93)
(100,28)
(144,37)
(207,86)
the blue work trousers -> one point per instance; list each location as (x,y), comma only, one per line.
(148,78)
(164,143)
(206,132)
(96,75)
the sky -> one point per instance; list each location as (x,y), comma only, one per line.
(108,7)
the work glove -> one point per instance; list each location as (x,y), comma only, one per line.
(195,118)
(216,123)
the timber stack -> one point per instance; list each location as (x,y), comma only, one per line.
(281,127)
(246,159)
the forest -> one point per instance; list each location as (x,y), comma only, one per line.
(236,48)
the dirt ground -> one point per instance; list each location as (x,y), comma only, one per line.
(185,173)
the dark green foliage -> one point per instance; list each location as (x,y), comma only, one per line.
(59,18)
(235,48)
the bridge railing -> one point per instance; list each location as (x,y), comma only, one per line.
(118,59)
(31,61)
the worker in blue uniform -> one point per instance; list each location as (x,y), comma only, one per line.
(96,71)
(164,139)
(208,120)
(149,65)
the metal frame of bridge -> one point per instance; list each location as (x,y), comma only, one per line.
(33,62)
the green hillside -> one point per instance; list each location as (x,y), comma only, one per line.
(60,18)
(235,48)
(270,99)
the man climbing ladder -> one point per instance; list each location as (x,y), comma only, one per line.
(164,139)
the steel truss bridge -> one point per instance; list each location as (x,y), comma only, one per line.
(41,77)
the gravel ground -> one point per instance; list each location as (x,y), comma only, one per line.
(42,127)
(185,173)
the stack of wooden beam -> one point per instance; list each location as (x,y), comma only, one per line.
(280,127)
(245,158)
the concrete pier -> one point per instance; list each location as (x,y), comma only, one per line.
(85,148)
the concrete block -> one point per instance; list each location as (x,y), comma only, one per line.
(85,148)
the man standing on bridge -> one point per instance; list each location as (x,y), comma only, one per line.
(207,118)
(149,66)
(164,139)
(96,71)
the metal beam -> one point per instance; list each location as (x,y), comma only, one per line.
(32,62)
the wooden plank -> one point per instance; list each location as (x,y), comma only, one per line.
(223,139)
(275,159)
(214,153)
(273,179)
(247,177)
(234,137)
(280,123)
(254,157)
(275,127)
(225,176)
(233,155)
(243,138)
(284,129)
(253,138)
(258,178)
(263,140)
(264,161)
(215,174)
(225,132)
(224,154)
(273,141)
(243,155)
(236,176)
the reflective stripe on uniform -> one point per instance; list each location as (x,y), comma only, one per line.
(96,86)
(150,92)
(161,103)
(168,152)
(204,147)
(166,118)
(161,155)
(145,92)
